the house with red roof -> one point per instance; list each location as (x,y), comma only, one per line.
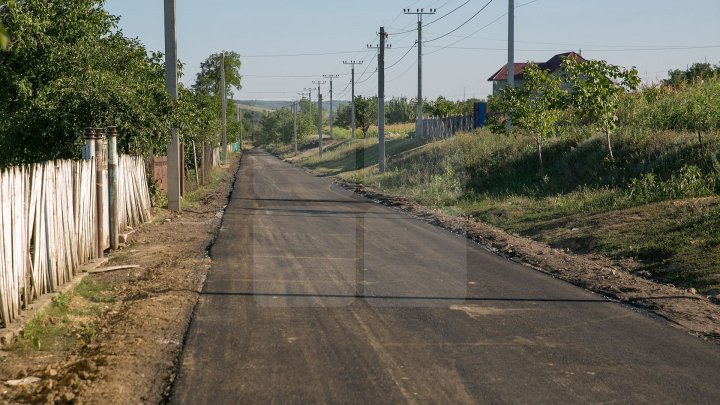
(500,78)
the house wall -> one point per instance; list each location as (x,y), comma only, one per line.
(498,85)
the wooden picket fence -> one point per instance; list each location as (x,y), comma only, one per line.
(133,193)
(48,224)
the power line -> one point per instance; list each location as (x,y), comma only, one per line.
(669,48)
(463,24)
(289,55)
(481,28)
(281,76)
(368,66)
(367,78)
(412,65)
(403,57)
(445,15)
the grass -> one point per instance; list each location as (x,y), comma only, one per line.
(69,322)
(657,202)
(197,195)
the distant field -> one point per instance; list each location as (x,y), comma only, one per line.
(252,108)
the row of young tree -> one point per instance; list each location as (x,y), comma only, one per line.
(68,66)
(604,96)
(586,92)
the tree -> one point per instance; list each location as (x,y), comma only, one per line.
(365,113)
(698,71)
(343,118)
(208,80)
(595,88)
(443,107)
(535,107)
(69,67)
(400,110)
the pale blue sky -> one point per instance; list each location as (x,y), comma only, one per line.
(623,32)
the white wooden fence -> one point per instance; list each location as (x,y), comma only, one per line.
(445,127)
(48,224)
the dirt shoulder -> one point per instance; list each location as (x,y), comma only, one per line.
(131,356)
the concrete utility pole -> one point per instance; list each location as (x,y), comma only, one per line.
(223,94)
(295,107)
(331,77)
(511,43)
(420,12)
(309,90)
(320,114)
(113,188)
(237,111)
(352,94)
(381,98)
(173,152)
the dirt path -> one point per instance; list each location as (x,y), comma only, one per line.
(132,360)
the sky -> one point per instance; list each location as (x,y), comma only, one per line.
(285,45)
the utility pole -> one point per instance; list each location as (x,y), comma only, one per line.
(331,77)
(240,121)
(171,82)
(420,12)
(381,98)
(511,43)
(296,104)
(223,94)
(511,50)
(320,114)
(309,90)
(352,63)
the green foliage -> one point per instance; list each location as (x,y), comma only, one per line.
(690,182)
(443,107)
(277,126)
(535,107)
(69,68)
(697,72)
(366,110)
(595,90)
(208,80)
(4,38)
(400,110)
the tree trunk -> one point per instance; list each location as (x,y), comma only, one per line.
(702,147)
(609,145)
(538,141)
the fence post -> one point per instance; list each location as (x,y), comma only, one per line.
(99,186)
(182,169)
(89,149)
(113,187)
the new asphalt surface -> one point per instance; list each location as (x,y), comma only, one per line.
(317,295)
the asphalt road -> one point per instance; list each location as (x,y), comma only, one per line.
(317,295)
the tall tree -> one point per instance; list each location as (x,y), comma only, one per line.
(208,80)
(68,68)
